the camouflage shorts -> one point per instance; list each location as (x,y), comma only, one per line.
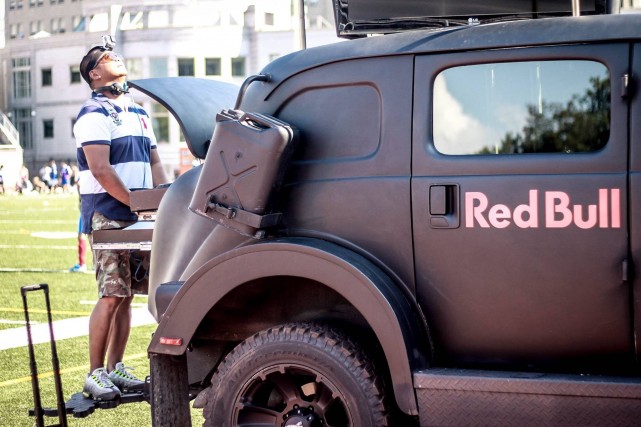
(119,273)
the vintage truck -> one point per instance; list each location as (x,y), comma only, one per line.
(436,225)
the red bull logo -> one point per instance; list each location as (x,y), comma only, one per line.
(554,209)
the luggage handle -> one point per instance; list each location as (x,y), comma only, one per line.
(38,410)
(31,288)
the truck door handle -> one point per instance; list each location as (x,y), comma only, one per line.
(444,206)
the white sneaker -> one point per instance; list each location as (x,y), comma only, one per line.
(98,386)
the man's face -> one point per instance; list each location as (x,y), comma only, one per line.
(111,64)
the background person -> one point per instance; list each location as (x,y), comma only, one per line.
(116,153)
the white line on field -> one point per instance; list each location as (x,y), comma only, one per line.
(66,248)
(37,221)
(62,329)
(41,270)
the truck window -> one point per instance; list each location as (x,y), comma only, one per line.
(522,107)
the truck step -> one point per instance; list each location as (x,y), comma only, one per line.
(455,397)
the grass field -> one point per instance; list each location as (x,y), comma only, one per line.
(38,245)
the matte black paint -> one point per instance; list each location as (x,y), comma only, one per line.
(358,194)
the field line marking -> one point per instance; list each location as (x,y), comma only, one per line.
(43,311)
(56,247)
(41,270)
(71,327)
(63,371)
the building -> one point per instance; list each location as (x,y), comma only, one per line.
(41,89)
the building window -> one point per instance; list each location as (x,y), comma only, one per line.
(212,66)
(158,67)
(158,19)
(34,27)
(47,128)
(15,31)
(74,71)
(134,68)
(132,21)
(15,4)
(78,23)
(21,77)
(185,66)
(269,19)
(160,123)
(23,124)
(554,107)
(238,67)
(57,25)
(47,79)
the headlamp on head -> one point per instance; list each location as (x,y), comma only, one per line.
(108,42)
(95,55)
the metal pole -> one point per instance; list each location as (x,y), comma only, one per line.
(301,14)
(62,410)
(576,7)
(33,366)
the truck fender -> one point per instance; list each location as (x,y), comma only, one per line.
(395,321)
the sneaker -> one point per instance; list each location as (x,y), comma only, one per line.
(125,381)
(98,386)
(78,268)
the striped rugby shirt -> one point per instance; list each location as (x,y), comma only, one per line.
(126,128)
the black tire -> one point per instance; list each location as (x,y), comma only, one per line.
(169,391)
(296,373)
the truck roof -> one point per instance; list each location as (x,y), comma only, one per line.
(532,32)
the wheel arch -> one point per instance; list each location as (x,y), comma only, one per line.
(394,319)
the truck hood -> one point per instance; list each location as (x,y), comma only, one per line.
(193,102)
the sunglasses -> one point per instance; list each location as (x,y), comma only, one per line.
(107,56)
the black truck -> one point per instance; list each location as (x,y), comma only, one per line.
(436,225)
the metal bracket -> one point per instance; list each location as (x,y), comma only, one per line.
(244,217)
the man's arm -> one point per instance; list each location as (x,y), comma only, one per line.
(98,162)
(157,171)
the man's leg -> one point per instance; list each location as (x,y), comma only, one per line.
(119,333)
(100,322)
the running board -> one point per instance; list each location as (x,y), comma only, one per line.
(455,397)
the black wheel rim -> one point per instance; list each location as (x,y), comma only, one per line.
(288,394)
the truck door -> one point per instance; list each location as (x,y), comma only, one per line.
(520,205)
(635,187)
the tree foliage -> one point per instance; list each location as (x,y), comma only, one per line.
(581,125)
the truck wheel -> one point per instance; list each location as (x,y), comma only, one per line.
(169,391)
(296,375)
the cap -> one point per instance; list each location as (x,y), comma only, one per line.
(90,60)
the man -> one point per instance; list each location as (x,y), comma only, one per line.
(116,153)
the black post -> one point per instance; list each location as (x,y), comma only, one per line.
(32,359)
(62,410)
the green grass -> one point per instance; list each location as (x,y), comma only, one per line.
(38,245)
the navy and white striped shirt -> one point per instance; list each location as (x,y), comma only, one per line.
(126,128)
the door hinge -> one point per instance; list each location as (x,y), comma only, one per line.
(624,270)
